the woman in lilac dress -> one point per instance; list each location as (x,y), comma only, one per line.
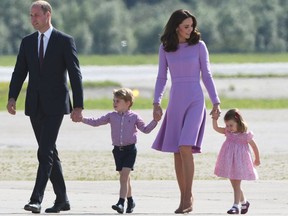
(182,129)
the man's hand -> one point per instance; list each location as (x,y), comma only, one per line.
(76,115)
(11,106)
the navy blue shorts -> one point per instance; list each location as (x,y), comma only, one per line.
(124,156)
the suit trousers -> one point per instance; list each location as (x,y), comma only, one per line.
(46,128)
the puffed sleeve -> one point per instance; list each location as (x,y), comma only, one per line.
(250,136)
(226,131)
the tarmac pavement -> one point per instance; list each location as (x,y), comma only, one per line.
(151,197)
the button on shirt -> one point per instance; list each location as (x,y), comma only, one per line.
(123,126)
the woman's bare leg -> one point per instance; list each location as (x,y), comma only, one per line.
(188,175)
(184,168)
(180,180)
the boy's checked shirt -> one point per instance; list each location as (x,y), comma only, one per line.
(123,126)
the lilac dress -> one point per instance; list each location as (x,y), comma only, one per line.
(235,160)
(184,120)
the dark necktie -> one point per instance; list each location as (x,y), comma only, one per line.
(41,50)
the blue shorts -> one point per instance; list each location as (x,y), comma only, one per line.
(124,156)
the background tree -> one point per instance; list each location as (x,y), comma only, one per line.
(131,27)
(111,25)
(13,25)
(236,27)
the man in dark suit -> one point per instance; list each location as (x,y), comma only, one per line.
(46,60)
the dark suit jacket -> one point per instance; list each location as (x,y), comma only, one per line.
(49,85)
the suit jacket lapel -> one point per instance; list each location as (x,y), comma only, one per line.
(35,46)
(51,44)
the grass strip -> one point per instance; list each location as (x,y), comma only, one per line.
(152,59)
(146,103)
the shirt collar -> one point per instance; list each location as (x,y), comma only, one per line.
(124,113)
(47,34)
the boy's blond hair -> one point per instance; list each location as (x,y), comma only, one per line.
(124,93)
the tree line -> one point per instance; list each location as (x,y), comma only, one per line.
(134,26)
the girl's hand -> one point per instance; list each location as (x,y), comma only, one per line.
(257,162)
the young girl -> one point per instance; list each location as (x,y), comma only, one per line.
(124,124)
(234,160)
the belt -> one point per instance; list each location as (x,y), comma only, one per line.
(125,148)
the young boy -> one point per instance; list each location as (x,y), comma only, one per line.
(124,124)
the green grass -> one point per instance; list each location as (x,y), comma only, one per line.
(250,75)
(146,103)
(249,58)
(107,60)
(96,84)
(104,60)
(226,103)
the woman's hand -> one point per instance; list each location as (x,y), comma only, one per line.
(157,112)
(216,110)
(215,115)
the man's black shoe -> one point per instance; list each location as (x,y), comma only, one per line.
(34,207)
(58,206)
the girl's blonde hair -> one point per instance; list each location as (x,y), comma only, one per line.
(234,114)
(124,93)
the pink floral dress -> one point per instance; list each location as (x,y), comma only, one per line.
(235,160)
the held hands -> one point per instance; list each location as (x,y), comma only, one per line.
(216,111)
(157,112)
(11,106)
(76,115)
(215,115)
